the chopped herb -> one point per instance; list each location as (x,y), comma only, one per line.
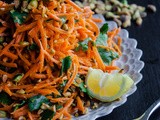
(63,83)
(33,46)
(104,28)
(58,106)
(83,45)
(18,17)
(66,63)
(18,77)
(5,98)
(35,102)
(82,87)
(47,114)
(19,105)
(102,39)
(64,20)
(76,20)
(107,56)
(1,39)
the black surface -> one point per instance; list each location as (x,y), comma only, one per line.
(148,90)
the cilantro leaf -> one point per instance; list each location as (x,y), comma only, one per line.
(19,105)
(102,39)
(33,46)
(47,114)
(63,19)
(58,106)
(83,45)
(104,28)
(82,87)
(107,56)
(66,63)
(5,98)
(18,17)
(63,83)
(18,77)
(35,102)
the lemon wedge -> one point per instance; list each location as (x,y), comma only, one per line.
(107,87)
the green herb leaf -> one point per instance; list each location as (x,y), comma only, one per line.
(83,45)
(82,87)
(102,39)
(63,19)
(35,102)
(18,17)
(18,77)
(19,105)
(33,46)
(58,106)
(107,56)
(47,114)
(5,98)
(66,63)
(76,20)
(63,83)
(104,28)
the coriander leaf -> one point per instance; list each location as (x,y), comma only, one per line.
(64,20)
(47,114)
(107,56)
(102,39)
(58,106)
(63,83)
(35,102)
(82,87)
(5,98)
(18,77)
(83,45)
(18,17)
(33,46)
(66,63)
(104,28)
(19,105)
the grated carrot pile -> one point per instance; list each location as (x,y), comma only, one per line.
(53,41)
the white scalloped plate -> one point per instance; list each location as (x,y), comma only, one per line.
(132,65)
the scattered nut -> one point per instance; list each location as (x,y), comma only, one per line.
(4,78)
(3,114)
(139,21)
(116,10)
(151,8)
(21,118)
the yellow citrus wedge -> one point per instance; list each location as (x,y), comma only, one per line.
(107,87)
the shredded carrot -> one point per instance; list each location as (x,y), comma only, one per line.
(80,105)
(34,52)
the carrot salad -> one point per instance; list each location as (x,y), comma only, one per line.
(46,49)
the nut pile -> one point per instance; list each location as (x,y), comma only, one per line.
(119,11)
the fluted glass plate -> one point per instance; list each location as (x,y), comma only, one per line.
(132,65)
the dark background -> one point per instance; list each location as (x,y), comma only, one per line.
(148,90)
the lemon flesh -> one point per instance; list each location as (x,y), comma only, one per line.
(107,87)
